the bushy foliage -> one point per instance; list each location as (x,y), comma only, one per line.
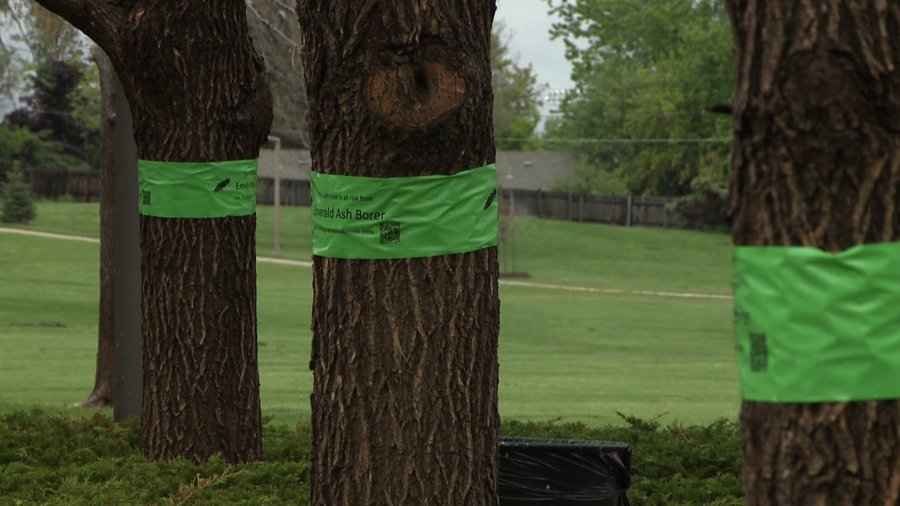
(33,151)
(516,96)
(52,90)
(705,208)
(585,178)
(17,204)
(65,459)
(646,76)
(69,460)
(62,110)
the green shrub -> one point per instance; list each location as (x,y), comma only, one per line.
(70,460)
(705,208)
(17,204)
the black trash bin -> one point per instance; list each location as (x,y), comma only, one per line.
(563,472)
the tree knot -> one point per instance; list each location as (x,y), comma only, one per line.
(414,94)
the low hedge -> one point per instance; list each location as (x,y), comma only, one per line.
(64,460)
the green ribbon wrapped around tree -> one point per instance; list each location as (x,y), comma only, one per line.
(197,189)
(813,326)
(356,217)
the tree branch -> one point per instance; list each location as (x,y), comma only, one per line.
(98,19)
(272,27)
(15,14)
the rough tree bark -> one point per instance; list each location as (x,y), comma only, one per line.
(404,351)
(104,377)
(198,92)
(817,163)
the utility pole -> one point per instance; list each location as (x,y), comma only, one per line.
(276,173)
(129,358)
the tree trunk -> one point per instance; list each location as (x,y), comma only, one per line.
(817,163)
(404,351)
(198,92)
(104,377)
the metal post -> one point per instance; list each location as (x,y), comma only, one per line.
(277,198)
(511,230)
(129,358)
(628,212)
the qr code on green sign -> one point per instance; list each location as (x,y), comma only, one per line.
(759,352)
(390,232)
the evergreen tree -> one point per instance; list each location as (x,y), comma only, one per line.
(17,204)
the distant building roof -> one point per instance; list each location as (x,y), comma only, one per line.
(534,170)
(526,170)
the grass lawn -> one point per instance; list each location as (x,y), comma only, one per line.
(570,356)
(551,251)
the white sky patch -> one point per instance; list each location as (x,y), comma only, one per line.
(528,24)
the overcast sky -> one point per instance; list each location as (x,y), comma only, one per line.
(528,23)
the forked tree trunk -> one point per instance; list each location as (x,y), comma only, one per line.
(198,92)
(104,376)
(817,163)
(404,351)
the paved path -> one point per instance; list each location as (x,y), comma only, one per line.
(505,282)
(48,235)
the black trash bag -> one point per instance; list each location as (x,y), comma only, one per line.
(563,472)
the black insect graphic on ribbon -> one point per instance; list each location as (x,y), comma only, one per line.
(490,199)
(221,186)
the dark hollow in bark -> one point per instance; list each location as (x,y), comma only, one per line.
(816,163)
(404,351)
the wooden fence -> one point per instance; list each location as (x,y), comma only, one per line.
(56,184)
(627,211)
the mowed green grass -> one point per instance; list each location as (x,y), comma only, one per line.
(571,356)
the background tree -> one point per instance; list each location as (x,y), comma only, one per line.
(516,96)
(11,75)
(32,150)
(817,163)
(645,70)
(43,35)
(51,103)
(17,204)
(198,92)
(404,351)
(50,52)
(276,35)
(30,36)
(104,375)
